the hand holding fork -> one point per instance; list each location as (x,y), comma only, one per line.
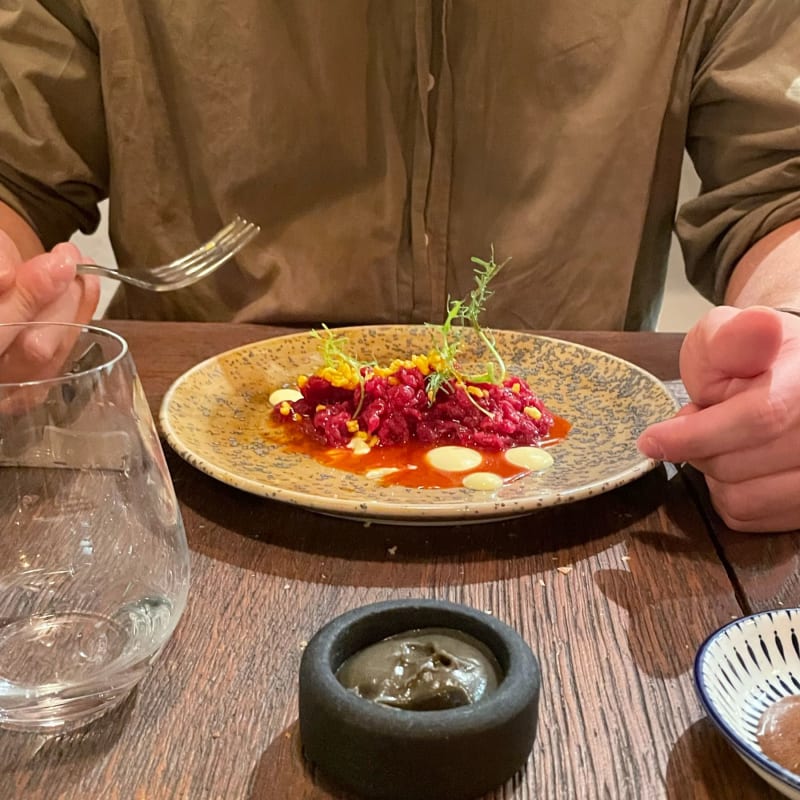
(44,288)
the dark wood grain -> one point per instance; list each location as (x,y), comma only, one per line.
(614,594)
(764,568)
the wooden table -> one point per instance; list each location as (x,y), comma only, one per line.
(614,593)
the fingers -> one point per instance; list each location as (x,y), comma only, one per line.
(76,305)
(742,430)
(729,344)
(734,413)
(39,352)
(747,447)
(89,298)
(747,343)
(753,488)
(760,414)
(38,283)
(767,503)
(756,461)
(649,442)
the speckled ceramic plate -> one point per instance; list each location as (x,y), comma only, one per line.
(214,416)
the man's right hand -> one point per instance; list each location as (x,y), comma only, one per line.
(44,288)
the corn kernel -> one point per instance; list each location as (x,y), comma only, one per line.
(285,409)
(320,407)
(422,363)
(533,412)
(476,391)
(352,425)
(395,366)
(302,380)
(516,388)
(435,361)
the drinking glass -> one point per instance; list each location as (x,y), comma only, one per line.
(94,565)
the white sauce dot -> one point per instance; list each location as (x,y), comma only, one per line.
(381,472)
(284,396)
(532,458)
(483,481)
(358,446)
(452,458)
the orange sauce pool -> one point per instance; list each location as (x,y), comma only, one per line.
(409,460)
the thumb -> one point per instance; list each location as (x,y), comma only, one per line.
(42,279)
(728,344)
(39,282)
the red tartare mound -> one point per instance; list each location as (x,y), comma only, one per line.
(396,410)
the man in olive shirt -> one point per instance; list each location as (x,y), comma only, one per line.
(381,144)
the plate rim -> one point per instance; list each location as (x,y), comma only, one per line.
(380,510)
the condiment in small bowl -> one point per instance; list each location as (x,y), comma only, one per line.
(418,700)
(748,679)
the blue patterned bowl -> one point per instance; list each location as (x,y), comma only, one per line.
(740,671)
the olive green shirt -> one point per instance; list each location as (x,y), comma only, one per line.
(382,143)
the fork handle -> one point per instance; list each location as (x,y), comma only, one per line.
(96,269)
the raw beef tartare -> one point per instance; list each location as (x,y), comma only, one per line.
(431,399)
(391,405)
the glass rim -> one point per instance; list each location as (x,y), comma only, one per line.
(83,328)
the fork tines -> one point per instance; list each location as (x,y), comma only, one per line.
(209,255)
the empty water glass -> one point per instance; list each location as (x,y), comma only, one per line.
(94,565)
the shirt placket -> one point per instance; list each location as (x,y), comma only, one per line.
(432,169)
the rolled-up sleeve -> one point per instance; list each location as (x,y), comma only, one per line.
(53,150)
(744,138)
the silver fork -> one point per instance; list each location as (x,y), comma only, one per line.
(189,269)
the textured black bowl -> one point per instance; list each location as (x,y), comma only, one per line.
(396,754)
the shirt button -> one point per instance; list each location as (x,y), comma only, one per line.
(431,82)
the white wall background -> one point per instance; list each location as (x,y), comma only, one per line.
(98,249)
(683,305)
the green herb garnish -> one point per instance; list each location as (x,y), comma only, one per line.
(466,313)
(334,355)
(460,314)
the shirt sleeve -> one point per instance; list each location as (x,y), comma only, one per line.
(53,150)
(744,139)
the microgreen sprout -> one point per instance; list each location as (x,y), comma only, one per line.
(334,355)
(466,313)
(448,374)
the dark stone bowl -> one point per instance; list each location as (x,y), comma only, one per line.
(397,754)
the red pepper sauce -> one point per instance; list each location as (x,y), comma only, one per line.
(409,460)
